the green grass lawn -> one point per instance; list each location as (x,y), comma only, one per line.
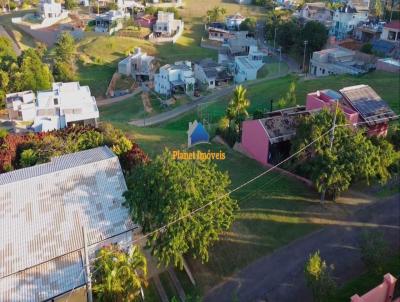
(367,281)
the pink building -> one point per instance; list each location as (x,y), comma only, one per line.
(267,140)
(382,293)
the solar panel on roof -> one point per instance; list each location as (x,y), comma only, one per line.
(371,107)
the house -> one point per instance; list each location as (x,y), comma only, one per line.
(315,11)
(110,22)
(391,32)
(21,105)
(368,31)
(233,21)
(44,210)
(147,21)
(50,9)
(345,20)
(217,31)
(166,24)
(138,65)
(197,134)
(64,105)
(238,44)
(246,67)
(384,292)
(211,74)
(373,111)
(175,78)
(267,140)
(334,61)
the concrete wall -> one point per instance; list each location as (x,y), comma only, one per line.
(255,140)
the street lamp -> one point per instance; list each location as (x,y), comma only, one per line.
(304,57)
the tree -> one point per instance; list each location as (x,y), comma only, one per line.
(287,34)
(374,249)
(7,52)
(65,47)
(367,48)
(166,191)
(315,33)
(290,98)
(237,107)
(119,275)
(215,14)
(378,9)
(70,4)
(249,24)
(318,278)
(33,74)
(63,72)
(353,156)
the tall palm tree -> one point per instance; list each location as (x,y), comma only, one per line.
(119,275)
(237,107)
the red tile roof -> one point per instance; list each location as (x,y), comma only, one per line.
(393,24)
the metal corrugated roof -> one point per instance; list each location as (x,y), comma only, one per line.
(43,209)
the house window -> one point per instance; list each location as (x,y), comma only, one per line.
(391,35)
(55,101)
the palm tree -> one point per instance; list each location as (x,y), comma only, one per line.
(119,275)
(237,107)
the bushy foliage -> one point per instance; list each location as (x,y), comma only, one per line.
(353,156)
(119,275)
(19,151)
(374,249)
(249,24)
(167,190)
(318,278)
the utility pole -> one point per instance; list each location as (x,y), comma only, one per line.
(87,267)
(275,38)
(270,105)
(331,142)
(280,59)
(304,56)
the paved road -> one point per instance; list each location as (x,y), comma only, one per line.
(279,277)
(218,93)
(108,101)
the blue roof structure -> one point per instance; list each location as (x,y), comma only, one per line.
(197,134)
(383,46)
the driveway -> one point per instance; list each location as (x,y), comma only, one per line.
(279,277)
(218,93)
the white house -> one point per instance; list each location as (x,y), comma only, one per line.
(166,24)
(65,104)
(334,61)
(138,65)
(175,78)
(234,21)
(21,105)
(315,11)
(211,74)
(345,21)
(50,9)
(391,31)
(44,211)
(110,22)
(246,67)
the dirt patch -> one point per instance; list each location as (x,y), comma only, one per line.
(146,102)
